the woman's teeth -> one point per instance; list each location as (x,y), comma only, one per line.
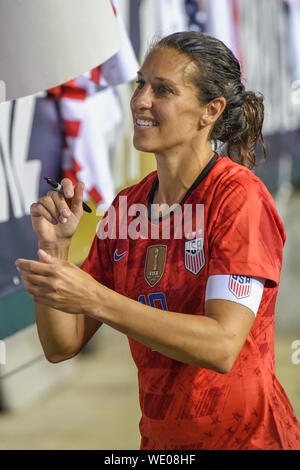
(142,122)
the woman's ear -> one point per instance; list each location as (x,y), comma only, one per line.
(212,112)
(216,108)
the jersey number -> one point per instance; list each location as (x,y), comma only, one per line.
(153,299)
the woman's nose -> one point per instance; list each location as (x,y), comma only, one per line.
(143,98)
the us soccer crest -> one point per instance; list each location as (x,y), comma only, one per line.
(194,257)
(155,263)
(240,286)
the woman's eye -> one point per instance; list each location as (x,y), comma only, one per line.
(163,90)
(160,90)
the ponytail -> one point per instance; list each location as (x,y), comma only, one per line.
(241,145)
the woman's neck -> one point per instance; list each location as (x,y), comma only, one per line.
(176,175)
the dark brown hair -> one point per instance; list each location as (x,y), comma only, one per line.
(219,74)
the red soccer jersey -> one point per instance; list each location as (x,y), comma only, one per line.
(183,406)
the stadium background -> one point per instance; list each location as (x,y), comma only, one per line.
(91,401)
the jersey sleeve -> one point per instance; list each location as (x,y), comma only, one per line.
(246,235)
(98,263)
(99,260)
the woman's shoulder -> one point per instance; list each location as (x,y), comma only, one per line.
(232,184)
(233,175)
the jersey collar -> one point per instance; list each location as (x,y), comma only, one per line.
(196,183)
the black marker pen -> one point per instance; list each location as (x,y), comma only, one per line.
(58,187)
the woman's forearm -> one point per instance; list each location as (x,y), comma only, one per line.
(193,339)
(211,341)
(59,332)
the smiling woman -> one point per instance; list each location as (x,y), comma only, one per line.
(162,95)
(198,310)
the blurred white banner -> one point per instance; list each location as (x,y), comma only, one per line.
(44,43)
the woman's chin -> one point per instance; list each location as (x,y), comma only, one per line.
(142,147)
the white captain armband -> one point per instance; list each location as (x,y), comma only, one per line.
(245,290)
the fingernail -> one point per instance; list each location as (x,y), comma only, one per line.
(65,212)
(63,220)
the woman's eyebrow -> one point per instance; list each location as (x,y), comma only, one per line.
(161,79)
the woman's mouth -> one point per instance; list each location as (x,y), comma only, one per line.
(146,123)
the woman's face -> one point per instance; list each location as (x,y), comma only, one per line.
(164,106)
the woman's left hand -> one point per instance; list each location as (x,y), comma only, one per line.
(58,283)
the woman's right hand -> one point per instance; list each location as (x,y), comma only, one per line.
(55,217)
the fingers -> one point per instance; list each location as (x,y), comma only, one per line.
(46,282)
(75,193)
(62,208)
(46,208)
(67,187)
(39,278)
(38,286)
(76,205)
(34,267)
(53,207)
(30,279)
